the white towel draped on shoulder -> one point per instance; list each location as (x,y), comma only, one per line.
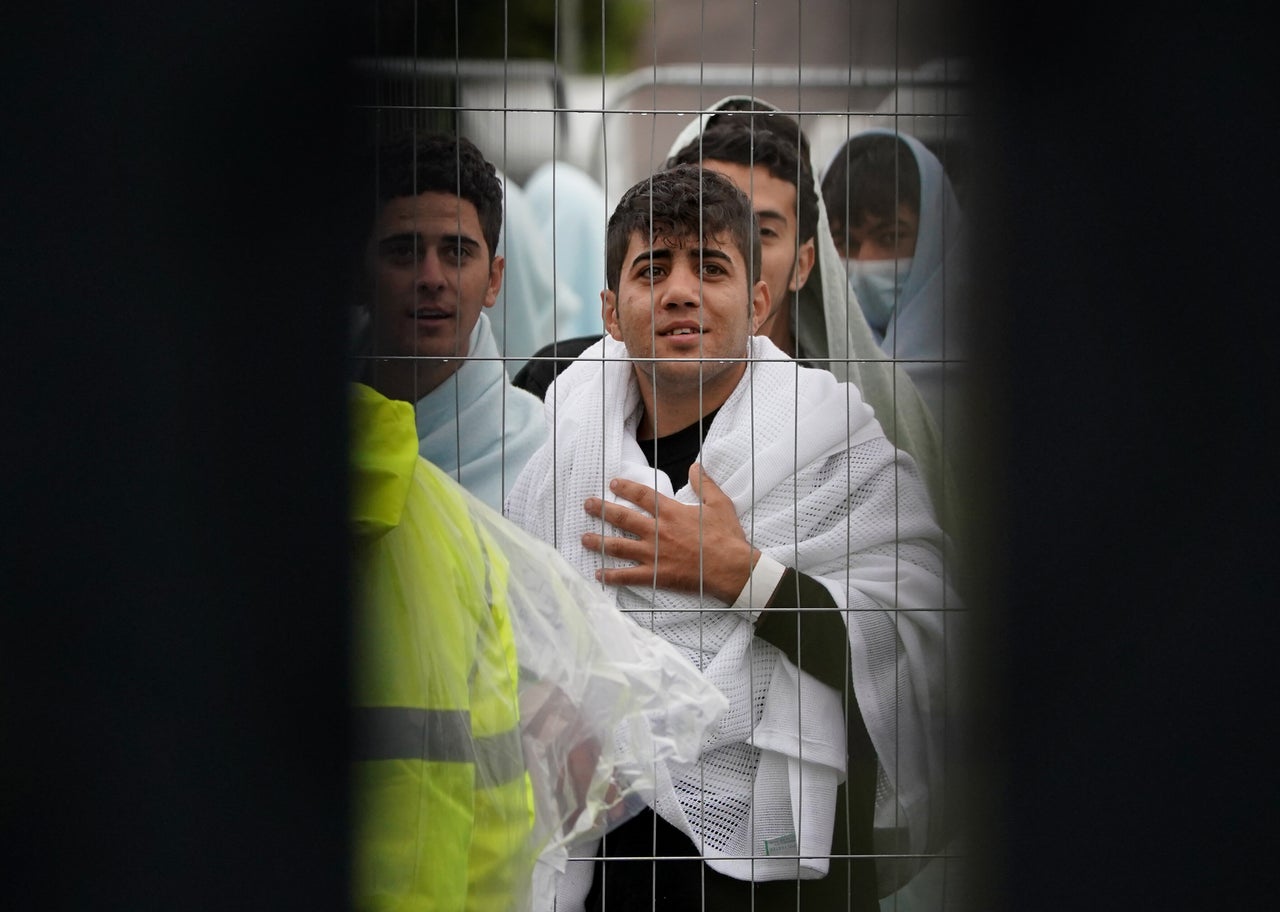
(476,426)
(817,487)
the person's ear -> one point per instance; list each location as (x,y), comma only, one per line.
(805,257)
(761,305)
(496,267)
(609,313)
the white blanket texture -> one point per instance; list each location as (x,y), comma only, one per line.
(817,487)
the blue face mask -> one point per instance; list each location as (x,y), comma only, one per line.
(878,287)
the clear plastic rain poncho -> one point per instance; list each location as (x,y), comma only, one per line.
(491,686)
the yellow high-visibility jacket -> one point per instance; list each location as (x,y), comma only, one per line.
(442,800)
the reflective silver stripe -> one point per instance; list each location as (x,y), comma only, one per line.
(435,735)
(500,757)
(401,733)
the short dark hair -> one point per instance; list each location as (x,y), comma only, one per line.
(415,162)
(776,121)
(871,176)
(761,138)
(680,202)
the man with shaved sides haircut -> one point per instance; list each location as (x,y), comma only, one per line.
(751,511)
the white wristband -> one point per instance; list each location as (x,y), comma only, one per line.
(764,578)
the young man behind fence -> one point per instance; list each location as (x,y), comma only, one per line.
(798,520)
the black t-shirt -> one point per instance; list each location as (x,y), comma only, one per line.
(676,453)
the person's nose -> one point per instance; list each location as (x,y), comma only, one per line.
(682,287)
(432,272)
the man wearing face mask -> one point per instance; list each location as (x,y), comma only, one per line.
(895,219)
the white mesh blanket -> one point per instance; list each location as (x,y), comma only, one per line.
(805,462)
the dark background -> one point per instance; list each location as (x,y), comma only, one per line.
(1131,248)
(172,664)
(172,637)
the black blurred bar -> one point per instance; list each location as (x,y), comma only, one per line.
(1129,236)
(172,651)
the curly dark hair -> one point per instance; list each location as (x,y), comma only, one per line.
(871,176)
(414,162)
(681,202)
(761,138)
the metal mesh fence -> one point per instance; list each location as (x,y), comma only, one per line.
(567,145)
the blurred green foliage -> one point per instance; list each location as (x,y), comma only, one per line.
(513,29)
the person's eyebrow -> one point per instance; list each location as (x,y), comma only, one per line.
(661,253)
(409,237)
(459,240)
(648,256)
(415,237)
(896,225)
(771,215)
(713,253)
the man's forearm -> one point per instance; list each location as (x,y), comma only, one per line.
(801,618)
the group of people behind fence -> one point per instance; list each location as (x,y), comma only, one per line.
(661,612)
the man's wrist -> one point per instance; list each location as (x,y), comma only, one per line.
(760,585)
